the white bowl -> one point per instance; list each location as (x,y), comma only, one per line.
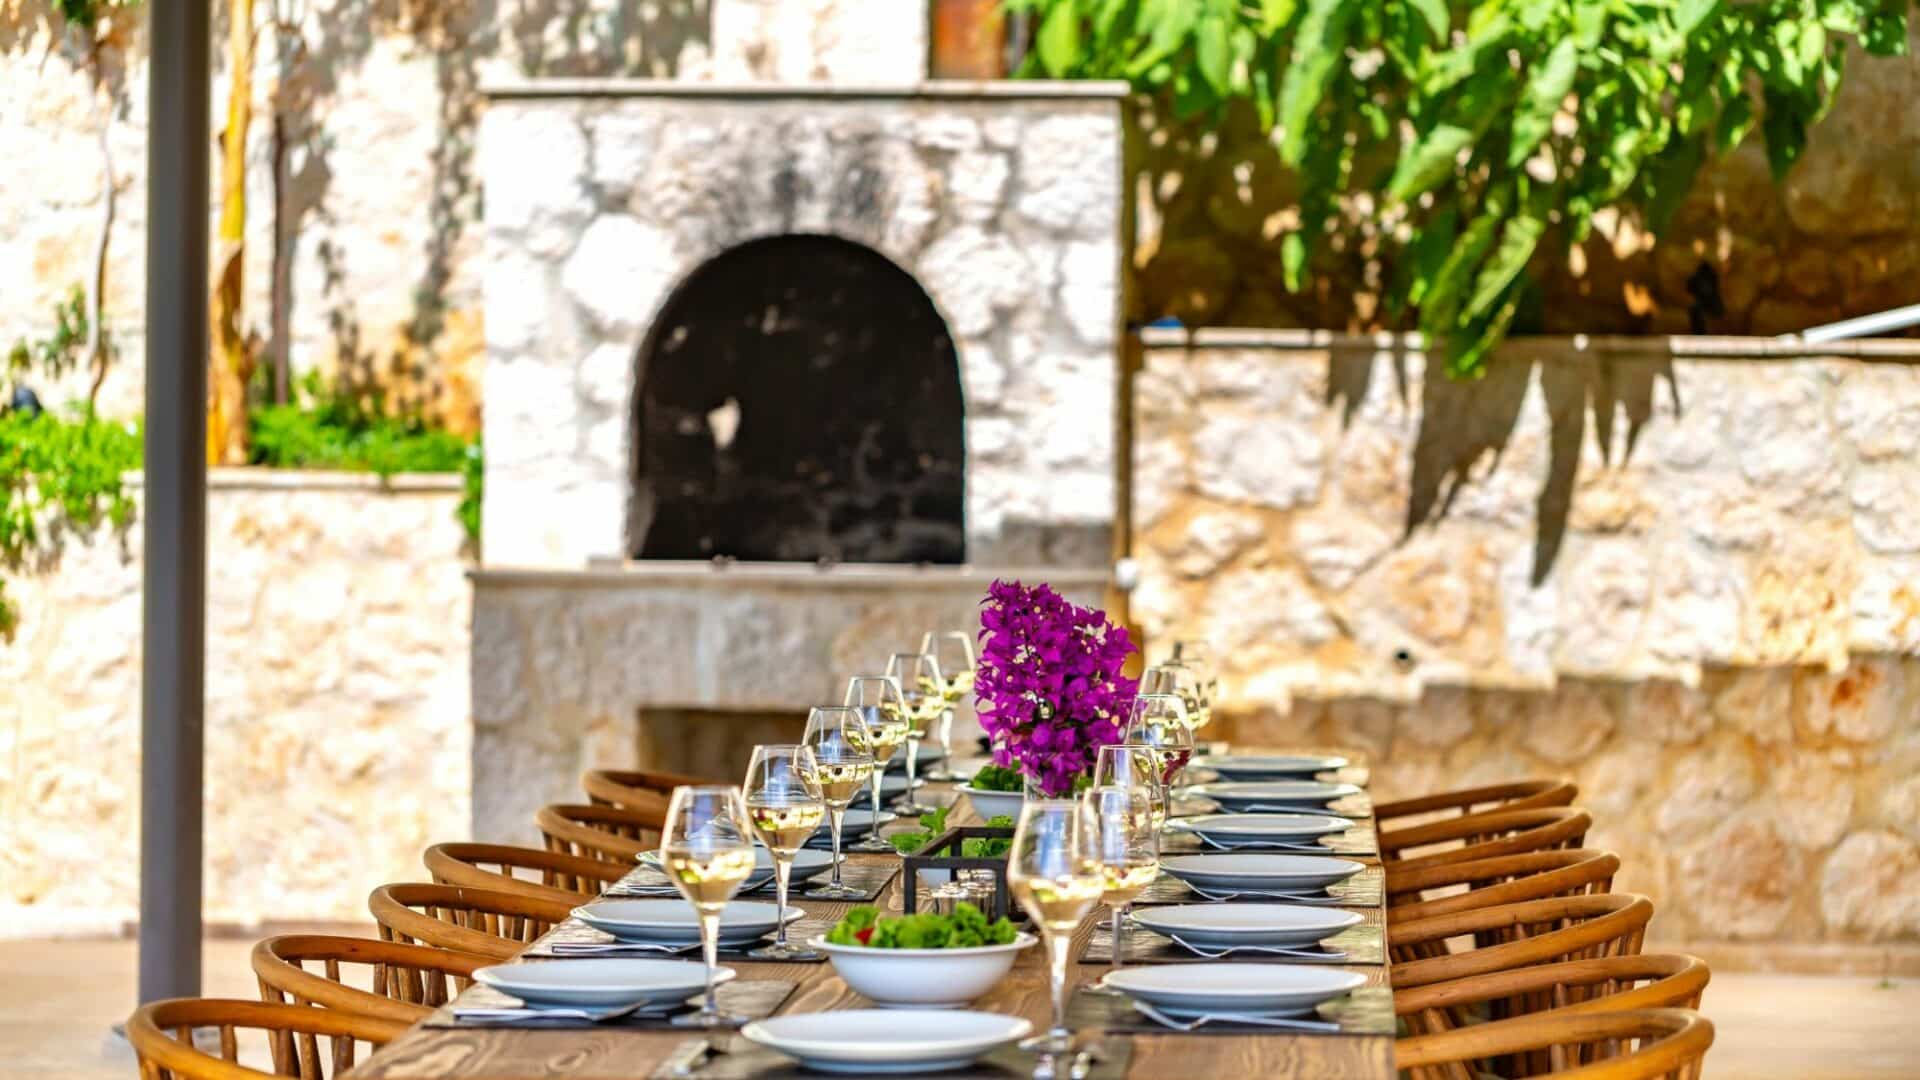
(1260,828)
(1263,989)
(867,1041)
(922,978)
(1259,870)
(993,804)
(676,922)
(1247,924)
(600,982)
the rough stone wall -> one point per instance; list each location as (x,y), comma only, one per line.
(1719,643)
(336,727)
(1007,211)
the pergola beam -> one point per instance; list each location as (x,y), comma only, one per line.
(174,597)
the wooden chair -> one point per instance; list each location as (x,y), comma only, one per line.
(484,922)
(545,875)
(409,981)
(1635,1044)
(1604,984)
(1516,935)
(162,1038)
(634,789)
(1481,836)
(1513,795)
(1505,879)
(601,832)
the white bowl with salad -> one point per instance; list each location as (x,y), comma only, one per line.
(923,961)
(995,791)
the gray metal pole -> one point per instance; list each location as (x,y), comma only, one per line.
(172,690)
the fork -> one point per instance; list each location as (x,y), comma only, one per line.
(506,1014)
(619,948)
(1212,953)
(1293,898)
(1285,1023)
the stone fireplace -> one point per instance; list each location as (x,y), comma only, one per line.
(778,377)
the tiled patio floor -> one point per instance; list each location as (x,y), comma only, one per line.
(58,1001)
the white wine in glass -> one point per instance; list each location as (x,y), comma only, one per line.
(785,806)
(706,850)
(1052,870)
(842,764)
(1160,721)
(953,651)
(921,689)
(1127,846)
(1181,681)
(883,712)
(1134,765)
(1196,655)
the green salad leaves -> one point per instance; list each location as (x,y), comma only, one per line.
(966,928)
(934,822)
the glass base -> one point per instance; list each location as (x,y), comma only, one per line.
(789,951)
(873,843)
(910,808)
(708,1020)
(1053,1042)
(834,892)
(941,776)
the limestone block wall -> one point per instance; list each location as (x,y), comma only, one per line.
(336,726)
(1691,581)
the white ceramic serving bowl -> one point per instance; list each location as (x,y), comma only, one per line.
(922,978)
(601,982)
(1270,871)
(1260,989)
(866,1042)
(1227,925)
(993,804)
(676,922)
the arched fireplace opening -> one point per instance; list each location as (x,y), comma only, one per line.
(799,400)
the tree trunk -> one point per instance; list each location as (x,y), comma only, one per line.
(231,365)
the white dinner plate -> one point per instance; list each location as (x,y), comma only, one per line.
(891,788)
(930,752)
(1245,828)
(1259,870)
(676,922)
(876,1041)
(1273,766)
(857,822)
(601,981)
(805,865)
(1249,794)
(1263,989)
(1247,924)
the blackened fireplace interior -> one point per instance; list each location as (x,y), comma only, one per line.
(799,401)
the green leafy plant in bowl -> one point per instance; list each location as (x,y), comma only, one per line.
(934,822)
(997,778)
(966,928)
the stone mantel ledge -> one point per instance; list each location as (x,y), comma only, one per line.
(1891,350)
(937,91)
(266,479)
(617,574)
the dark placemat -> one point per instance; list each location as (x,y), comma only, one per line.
(647,883)
(1361,944)
(1355,841)
(573,931)
(751,998)
(732,1057)
(1365,889)
(1366,1011)
(1358,807)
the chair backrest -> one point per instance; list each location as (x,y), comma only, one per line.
(1513,795)
(484,922)
(536,872)
(408,981)
(1635,1044)
(1504,879)
(601,832)
(1601,984)
(1509,936)
(635,789)
(162,1038)
(1481,836)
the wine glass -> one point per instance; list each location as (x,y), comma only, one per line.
(877,699)
(1174,677)
(1053,871)
(1160,721)
(1198,656)
(922,692)
(1127,847)
(1133,765)
(842,762)
(953,651)
(706,848)
(785,806)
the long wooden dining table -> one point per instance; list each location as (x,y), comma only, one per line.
(606,1053)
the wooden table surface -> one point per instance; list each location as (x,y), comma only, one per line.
(605,1054)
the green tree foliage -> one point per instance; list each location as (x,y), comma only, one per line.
(1482,130)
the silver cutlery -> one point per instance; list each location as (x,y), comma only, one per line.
(620,948)
(1284,1023)
(1263,845)
(1212,952)
(1322,898)
(506,1014)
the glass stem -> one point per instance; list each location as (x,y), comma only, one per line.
(1057,946)
(782,866)
(913,756)
(876,807)
(946,737)
(839,815)
(1119,942)
(709,949)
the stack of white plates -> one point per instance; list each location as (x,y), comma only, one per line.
(1229,925)
(868,1042)
(857,823)
(1192,990)
(1243,871)
(1272,766)
(1247,795)
(674,922)
(598,983)
(1253,830)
